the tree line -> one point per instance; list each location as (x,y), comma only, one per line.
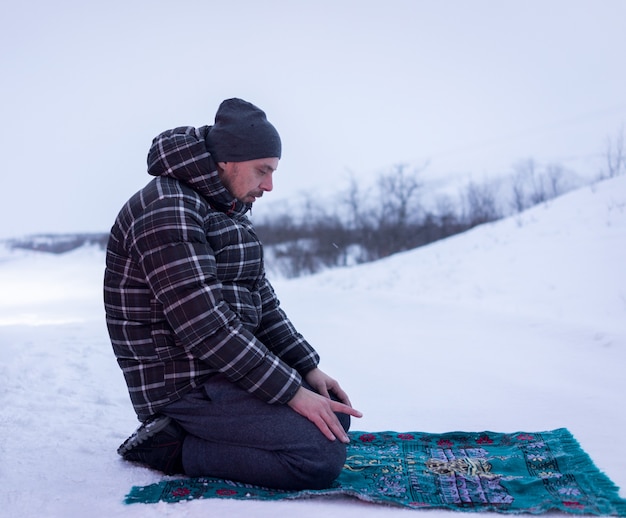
(397,213)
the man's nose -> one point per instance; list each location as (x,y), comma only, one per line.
(268,183)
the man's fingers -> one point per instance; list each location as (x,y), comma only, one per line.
(341,395)
(329,424)
(342,408)
(321,411)
(334,427)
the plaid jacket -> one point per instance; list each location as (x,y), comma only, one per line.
(185,291)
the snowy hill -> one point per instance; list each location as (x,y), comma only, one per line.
(564,259)
(516,325)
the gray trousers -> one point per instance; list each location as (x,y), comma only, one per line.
(234,435)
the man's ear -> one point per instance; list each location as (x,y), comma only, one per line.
(221,166)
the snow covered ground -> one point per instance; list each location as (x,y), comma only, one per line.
(516,325)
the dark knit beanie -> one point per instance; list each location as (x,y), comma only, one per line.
(242,132)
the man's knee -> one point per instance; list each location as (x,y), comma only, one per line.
(331,469)
(321,467)
(325,460)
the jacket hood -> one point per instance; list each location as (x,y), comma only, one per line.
(182,153)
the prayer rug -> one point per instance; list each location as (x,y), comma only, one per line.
(462,471)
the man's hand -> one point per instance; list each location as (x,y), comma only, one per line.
(324,385)
(320,409)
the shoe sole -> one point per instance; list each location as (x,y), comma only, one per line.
(143,433)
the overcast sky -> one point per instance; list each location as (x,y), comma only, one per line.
(471,86)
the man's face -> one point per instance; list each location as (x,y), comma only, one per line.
(248,180)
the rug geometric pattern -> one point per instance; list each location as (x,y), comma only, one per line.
(518,472)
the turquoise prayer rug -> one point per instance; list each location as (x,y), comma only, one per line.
(461,471)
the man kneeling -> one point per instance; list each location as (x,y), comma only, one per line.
(223,383)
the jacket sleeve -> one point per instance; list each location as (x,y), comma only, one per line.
(280,336)
(180,268)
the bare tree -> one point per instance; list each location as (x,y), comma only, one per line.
(615,155)
(529,188)
(520,197)
(355,204)
(480,204)
(398,208)
(399,192)
(555,177)
(447,216)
